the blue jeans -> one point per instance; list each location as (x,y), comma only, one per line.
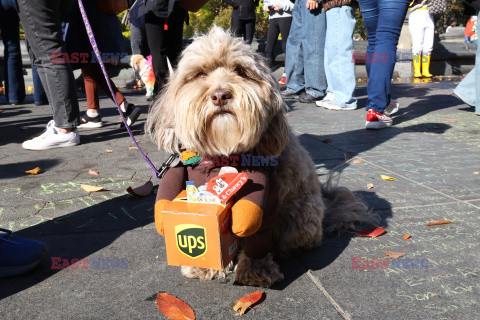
(383,20)
(13,73)
(39,94)
(339,65)
(469,88)
(304,61)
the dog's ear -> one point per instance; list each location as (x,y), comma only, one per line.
(275,139)
(160,125)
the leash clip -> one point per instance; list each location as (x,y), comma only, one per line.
(166,165)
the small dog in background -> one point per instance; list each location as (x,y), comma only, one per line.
(145,70)
(220,101)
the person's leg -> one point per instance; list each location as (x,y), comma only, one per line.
(313,44)
(13,72)
(235,25)
(341,74)
(391,14)
(91,88)
(156,37)
(249,30)
(370,12)
(175,35)
(95,75)
(284,25)
(417,32)
(272,36)
(477,73)
(39,94)
(294,54)
(429,34)
(466,89)
(41,20)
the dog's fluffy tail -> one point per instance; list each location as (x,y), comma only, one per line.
(344,210)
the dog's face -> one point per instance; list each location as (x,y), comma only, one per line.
(137,61)
(221,100)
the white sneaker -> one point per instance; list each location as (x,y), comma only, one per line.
(52,138)
(328,98)
(331,106)
(392,107)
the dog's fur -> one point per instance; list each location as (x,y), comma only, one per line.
(253,121)
(139,64)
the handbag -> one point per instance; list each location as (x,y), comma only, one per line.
(437,6)
(112,6)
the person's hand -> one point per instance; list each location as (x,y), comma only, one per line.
(312,5)
(277,7)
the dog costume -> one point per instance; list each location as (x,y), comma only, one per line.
(254,209)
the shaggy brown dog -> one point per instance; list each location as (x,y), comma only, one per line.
(251,120)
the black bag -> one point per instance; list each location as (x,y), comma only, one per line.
(437,6)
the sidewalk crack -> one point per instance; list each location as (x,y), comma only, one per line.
(337,307)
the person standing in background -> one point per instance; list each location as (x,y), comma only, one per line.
(304,61)
(339,62)
(383,20)
(13,72)
(468,90)
(243,18)
(422,31)
(280,15)
(164,29)
(41,20)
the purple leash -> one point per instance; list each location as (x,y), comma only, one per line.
(93,42)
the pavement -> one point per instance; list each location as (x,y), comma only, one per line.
(432,151)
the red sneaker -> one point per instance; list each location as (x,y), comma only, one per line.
(283,79)
(376,120)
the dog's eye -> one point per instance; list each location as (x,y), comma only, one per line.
(201,74)
(240,72)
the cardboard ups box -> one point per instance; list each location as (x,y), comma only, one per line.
(198,234)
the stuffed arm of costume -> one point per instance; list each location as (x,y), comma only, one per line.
(247,212)
(170,186)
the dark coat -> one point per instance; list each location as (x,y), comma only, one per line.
(245,9)
(161,8)
(475,4)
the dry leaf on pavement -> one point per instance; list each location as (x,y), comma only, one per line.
(93,172)
(358,160)
(406,236)
(436,223)
(88,188)
(386,178)
(37,170)
(142,191)
(369,185)
(247,302)
(393,254)
(372,232)
(174,308)
(108,151)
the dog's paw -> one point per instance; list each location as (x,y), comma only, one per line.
(262,273)
(204,273)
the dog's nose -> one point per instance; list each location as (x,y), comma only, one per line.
(220,97)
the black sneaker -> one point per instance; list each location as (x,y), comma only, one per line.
(306,98)
(131,113)
(287,93)
(90,122)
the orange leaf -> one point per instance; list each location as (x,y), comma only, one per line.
(91,188)
(142,191)
(407,236)
(37,170)
(358,161)
(1,110)
(288,114)
(132,148)
(369,185)
(174,308)
(450,120)
(372,232)
(435,223)
(93,172)
(108,151)
(247,302)
(393,254)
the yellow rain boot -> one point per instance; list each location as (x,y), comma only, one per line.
(426,66)
(416,65)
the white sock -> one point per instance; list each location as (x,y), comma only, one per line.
(92,114)
(124,106)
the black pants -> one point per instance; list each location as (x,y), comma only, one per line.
(277,26)
(243,28)
(164,43)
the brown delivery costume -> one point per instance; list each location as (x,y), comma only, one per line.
(255,204)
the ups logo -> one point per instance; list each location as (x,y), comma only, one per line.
(191,240)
